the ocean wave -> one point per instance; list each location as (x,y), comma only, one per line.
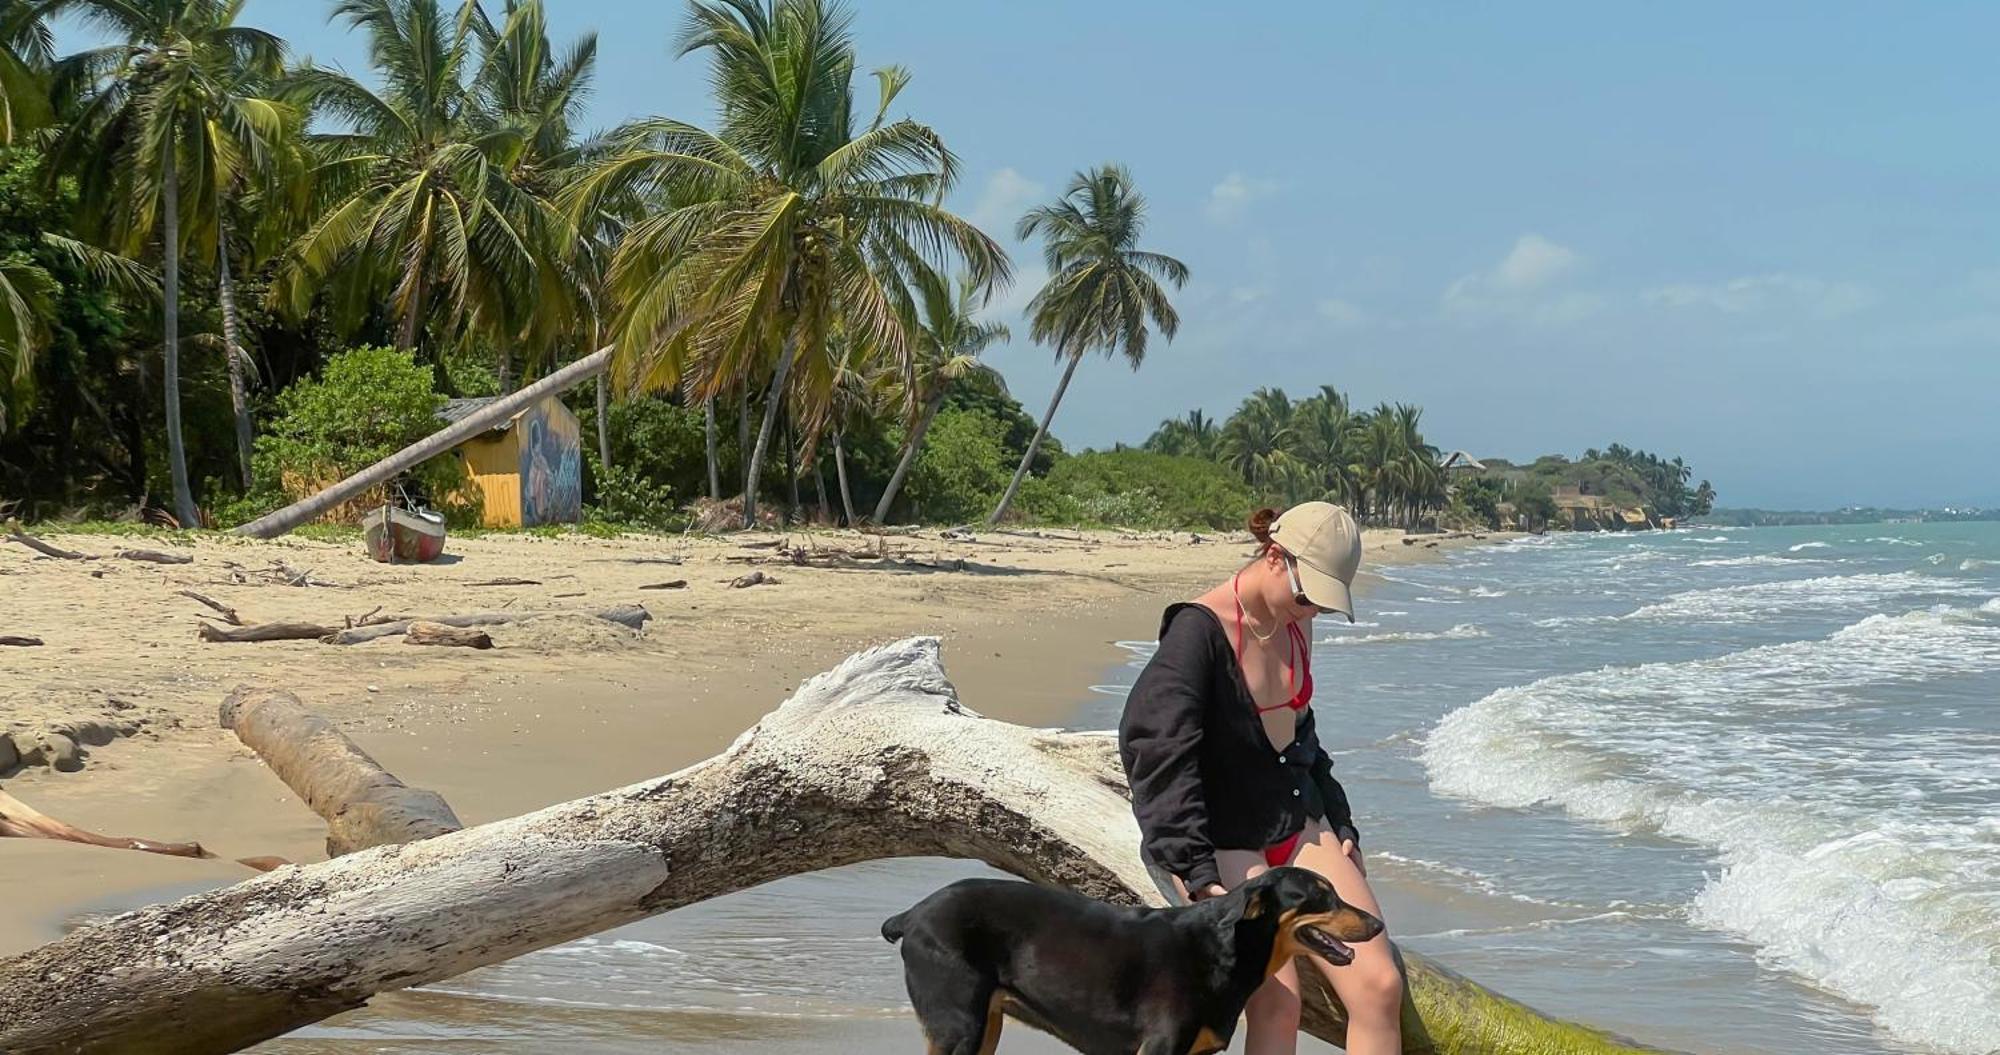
(1485,591)
(1803,546)
(1461,632)
(1862,862)
(1975,564)
(1755,560)
(1891,540)
(1736,603)
(1720,540)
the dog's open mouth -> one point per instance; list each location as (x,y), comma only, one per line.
(1325,946)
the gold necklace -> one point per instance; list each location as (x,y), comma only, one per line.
(1236,588)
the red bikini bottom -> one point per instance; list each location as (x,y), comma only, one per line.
(1280,854)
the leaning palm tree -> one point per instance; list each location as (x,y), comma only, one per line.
(791,221)
(949,337)
(418,196)
(170,100)
(1103,290)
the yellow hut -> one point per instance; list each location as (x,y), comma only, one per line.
(529,469)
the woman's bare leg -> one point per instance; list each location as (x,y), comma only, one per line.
(1371,987)
(1271,1018)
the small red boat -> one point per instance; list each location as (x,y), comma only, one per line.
(393,534)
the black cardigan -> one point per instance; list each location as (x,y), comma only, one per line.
(1202,772)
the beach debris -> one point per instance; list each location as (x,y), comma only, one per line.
(632,616)
(755,578)
(372,616)
(263,864)
(364,805)
(153,556)
(15,534)
(506,582)
(18,820)
(19,641)
(871,760)
(672,584)
(427,633)
(227,613)
(264,632)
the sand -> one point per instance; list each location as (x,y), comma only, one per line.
(562,706)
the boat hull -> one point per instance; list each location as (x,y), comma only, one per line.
(392,534)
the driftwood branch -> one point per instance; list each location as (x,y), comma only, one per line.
(15,534)
(151,556)
(364,805)
(20,641)
(873,759)
(265,632)
(633,616)
(422,633)
(227,613)
(18,820)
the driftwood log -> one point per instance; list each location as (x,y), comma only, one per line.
(364,805)
(20,640)
(18,820)
(153,556)
(422,633)
(15,534)
(629,615)
(227,613)
(873,759)
(266,632)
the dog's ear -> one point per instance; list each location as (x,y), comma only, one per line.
(1257,902)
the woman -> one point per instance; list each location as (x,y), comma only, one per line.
(1228,777)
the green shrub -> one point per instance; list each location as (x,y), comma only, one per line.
(1140,489)
(367,404)
(625,498)
(962,469)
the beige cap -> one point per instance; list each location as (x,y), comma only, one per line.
(1326,542)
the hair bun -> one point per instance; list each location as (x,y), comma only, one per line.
(1260,525)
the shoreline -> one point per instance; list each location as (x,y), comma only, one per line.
(561,708)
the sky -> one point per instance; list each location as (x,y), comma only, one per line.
(1762,237)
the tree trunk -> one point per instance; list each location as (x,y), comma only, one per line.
(630,616)
(1028,458)
(711,449)
(743,434)
(874,759)
(791,440)
(406,335)
(604,419)
(170,194)
(364,805)
(840,473)
(774,402)
(310,508)
(507,370)
(819,482)
(232,352)
(910,451)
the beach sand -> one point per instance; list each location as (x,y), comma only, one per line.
(563,706)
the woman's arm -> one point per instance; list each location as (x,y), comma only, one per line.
(1159,740)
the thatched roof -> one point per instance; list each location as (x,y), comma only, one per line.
(1460,460)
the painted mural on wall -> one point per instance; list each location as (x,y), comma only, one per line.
(551,465)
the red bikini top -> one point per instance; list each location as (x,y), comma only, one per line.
(1300,659)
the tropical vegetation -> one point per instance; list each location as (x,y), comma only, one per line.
(228,274)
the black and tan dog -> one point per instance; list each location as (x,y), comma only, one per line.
(1105,979)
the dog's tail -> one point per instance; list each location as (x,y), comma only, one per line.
(893,927)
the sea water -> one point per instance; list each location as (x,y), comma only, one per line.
(1720,791)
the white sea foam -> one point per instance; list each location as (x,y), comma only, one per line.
(1975,564)
(1461,632)
(1891,540)
(1485,591)
(1864,860)
(1755,560)
(1801,547)
(1719,540)
(1753,600)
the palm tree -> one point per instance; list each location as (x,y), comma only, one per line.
(421,193)
(1102,291)
(27,49)
(1258,441)
(1324,429)
(1195,435)
(171,99)
(789,222)
(949,339)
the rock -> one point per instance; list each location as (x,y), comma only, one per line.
(60,752)
(10,756)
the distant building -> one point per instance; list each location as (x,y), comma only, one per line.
(528,470)
(1459,462)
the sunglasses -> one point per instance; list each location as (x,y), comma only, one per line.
(1299,589)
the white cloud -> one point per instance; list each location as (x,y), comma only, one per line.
(1773,292)
(1231,199)
(1525,285)
(1005,197)
(1247,294)
(1341,313)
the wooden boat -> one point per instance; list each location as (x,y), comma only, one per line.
(394,534)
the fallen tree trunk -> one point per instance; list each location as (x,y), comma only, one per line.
(20,641)
(265,632)
(18,820)
(364,805)
(15,534)
(873,759)
(629,615)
